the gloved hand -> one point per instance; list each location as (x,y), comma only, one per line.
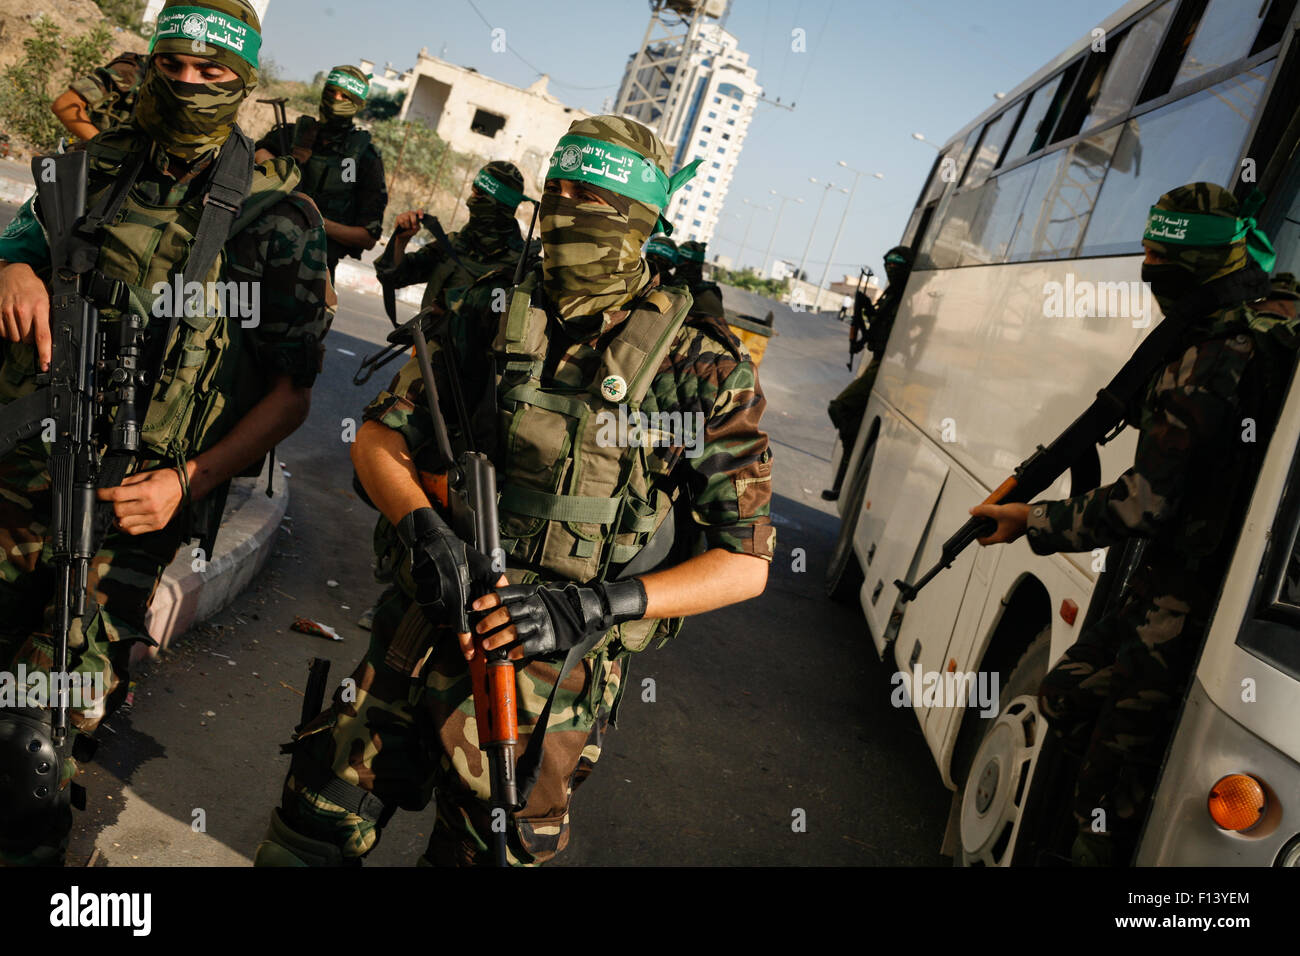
(547,619)
(447,572)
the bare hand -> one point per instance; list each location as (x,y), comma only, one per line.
(1011,521)
(25,309)
(146,501)
(492,620)
(407,225)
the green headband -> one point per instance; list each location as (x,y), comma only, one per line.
(690,255)
(896,259)
(348,83)
(498,190)
(1199,229)
(618,169)
(656,247)
(202,25)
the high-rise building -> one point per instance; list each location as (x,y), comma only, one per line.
(698,92)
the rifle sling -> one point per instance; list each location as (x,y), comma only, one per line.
(231,181)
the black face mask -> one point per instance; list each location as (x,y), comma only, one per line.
(1169,282)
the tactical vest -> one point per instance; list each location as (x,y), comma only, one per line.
(449,277)
(572,502)
(323,174)
(148,244)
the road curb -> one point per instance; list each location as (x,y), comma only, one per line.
(186,596)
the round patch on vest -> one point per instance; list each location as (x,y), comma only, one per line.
(614,388)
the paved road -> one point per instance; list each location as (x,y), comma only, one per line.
(762,709)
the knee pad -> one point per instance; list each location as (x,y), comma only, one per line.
(30,768)
(285,846)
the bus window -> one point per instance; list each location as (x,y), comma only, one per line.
(1275,21)
(1126,67)
(979,223)
(1196,139)
(994,137)
(1040,115)
(1062,197)
(1225,34)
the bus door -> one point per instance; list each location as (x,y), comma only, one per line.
(959,594)
(907,477)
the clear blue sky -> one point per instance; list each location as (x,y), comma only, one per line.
(874,73)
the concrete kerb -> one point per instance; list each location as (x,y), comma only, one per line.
(192,589)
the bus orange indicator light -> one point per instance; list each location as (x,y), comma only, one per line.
(1069,611)
(1237,802)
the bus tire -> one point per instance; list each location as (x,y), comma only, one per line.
(844,575)
(995,795)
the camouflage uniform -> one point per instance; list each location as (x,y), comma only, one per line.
(411,730)
(283,250)
(355,198)
(109,91)
(489,241)
(1115,693)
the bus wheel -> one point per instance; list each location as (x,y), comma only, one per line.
(844,574)
(997,787)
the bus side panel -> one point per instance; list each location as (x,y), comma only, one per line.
(1208,746)
(928,621)
(906,478)
(993,360)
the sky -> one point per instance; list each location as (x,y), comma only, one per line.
(873,73)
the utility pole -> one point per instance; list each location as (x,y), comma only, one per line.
(857,174)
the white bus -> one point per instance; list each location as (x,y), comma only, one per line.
(1052,185)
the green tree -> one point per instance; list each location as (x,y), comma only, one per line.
(750,282)
(125,13)
(50,62)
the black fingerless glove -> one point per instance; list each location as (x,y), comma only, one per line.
(550,619)
(448,574)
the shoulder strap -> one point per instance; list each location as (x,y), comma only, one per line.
(231,181)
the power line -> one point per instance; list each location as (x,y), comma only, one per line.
(525,61)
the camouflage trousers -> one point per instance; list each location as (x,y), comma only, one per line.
(1113,698)
(846,410)
(403,729)
(123,577)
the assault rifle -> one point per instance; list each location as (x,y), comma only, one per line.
(862,305)
(281,123)
(86,404)
(464,485)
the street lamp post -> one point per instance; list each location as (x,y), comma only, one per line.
(857,174)
(920,138)
(825,191)
(776,227)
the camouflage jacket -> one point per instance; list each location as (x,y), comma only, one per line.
(727,475)
(367,194)
(109,91)
(1203,425)
(283,251)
